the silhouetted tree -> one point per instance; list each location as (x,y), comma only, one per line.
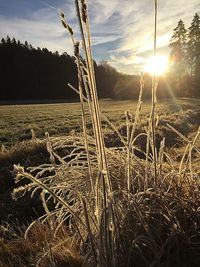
(193,53)
(3,41)
(178,53)
(13,41)
(26,44)
(8,41)
(107,77)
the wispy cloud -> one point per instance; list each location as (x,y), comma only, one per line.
(122,31)
(137,30)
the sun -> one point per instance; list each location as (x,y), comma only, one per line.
(157,65)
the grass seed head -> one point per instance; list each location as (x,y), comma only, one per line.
(62,15)
(76,49)
(64,24)
(70,30)
(84,11)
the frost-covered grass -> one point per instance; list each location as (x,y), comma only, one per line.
(16,121)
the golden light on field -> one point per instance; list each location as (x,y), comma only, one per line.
(157,65)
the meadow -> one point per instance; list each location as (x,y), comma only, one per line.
(17,121)
(64,124)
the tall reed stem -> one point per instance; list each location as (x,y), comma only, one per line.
(85,32)
(80,92)
(153,108)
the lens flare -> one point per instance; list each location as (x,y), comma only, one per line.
(157,65)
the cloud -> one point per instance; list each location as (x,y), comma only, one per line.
(41,28)
(138,33)
(122,31)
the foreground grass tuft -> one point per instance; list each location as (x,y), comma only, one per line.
(40,249)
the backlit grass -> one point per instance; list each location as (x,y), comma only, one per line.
(16,121)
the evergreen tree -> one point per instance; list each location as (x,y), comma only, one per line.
(3,41)
(193,53)
(26,44)
(56,53)
(8,41)
(178,53)
(13,41)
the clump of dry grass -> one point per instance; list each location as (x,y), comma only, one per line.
(146,227)
(40,249)
(23,149)
(121,210)
(25,153)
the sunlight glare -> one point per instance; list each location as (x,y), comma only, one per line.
(157,65)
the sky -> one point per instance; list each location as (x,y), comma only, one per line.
(122,30)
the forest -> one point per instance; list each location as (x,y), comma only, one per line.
(184,73)
(39,74)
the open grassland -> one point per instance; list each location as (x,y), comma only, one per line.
(60,119)
(174,208)
(16,121)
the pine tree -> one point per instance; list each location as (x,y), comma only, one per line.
(13,41)
(8,40)
(26,44)
(3,41)
(193,53)
(178,52)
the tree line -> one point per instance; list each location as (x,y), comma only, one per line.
(185,58)
(29,73)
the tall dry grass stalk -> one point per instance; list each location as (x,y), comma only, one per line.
(82,12)
(120,209)
(151,136)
